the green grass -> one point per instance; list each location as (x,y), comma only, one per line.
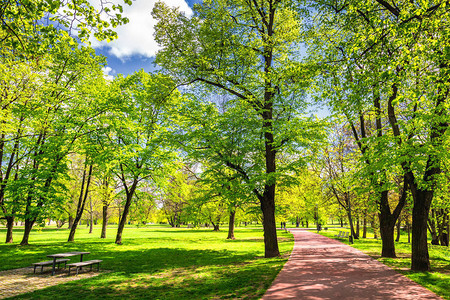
(438,280)
(156,263)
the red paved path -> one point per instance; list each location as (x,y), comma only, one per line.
(323,268)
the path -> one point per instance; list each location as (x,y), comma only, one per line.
(21,281)
(323,268)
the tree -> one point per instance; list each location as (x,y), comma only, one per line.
(138,130)
(244,50)
(407,99)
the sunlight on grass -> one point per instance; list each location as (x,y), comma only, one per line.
(157,263)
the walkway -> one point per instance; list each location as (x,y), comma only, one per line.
(323,268)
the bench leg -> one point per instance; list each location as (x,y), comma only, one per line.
(34,272)
(69,270)
(98,267)
(42,269)
(77,270)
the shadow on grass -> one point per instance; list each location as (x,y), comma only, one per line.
(167,273)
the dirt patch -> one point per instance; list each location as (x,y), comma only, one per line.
(21,281)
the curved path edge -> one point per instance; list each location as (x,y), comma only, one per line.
(324,268)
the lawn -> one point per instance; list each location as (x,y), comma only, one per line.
(156,262)
(438,280)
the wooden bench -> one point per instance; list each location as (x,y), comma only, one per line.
(81,264)
(49,263)
(340,234)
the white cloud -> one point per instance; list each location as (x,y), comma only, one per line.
(136,37)
(108,73)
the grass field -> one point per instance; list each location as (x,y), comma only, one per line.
(156,263)
(438,280)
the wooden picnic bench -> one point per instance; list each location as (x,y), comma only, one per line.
(81,264)
(42,264)
(342,235)
(67,254)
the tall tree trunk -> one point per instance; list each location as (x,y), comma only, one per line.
(70,222)
(420,259)
(91,215)
(9,229)
(365,225)
(445,226)
(388,220)
(387,238)
(81,202)
(126,209)
(105,221)
(357,227)
(26,233)
(270,230)
(231,225)
(399,223)
(431,225)
(408,226)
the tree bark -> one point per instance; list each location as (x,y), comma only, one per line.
(231,225)
(420,259)
(357,227)
(399,223)
(431,225)
(26,233)
(270,230)
(126,209)
(365,225)
(81,202)
(9,229)
(91,215)
(105,221)
(70,222)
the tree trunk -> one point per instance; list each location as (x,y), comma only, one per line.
(357,227)
(60,223)
(388,220)
(81,202)
(9,229)
(70,222)
(445,226)
(270,230)
(231,225)
(431,225)
(399,223)
(350,222)
(91,215)
(126,209)
(408,228)
(297,222)
(420,259)
(387,238)
(26,233)
(365,226)
(105,221)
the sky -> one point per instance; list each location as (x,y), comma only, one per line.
(135,46)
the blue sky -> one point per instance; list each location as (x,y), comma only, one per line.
(135,47)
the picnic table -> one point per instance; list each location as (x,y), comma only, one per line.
(62,255)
